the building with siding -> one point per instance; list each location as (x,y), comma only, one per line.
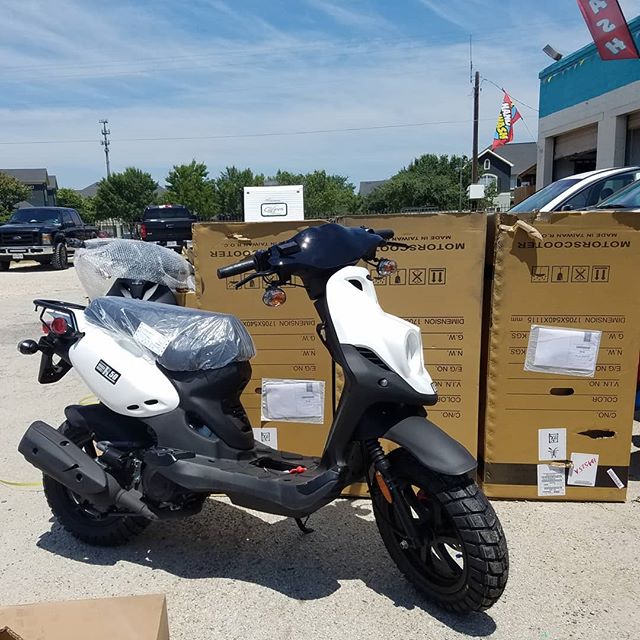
(589,113)
(43,185)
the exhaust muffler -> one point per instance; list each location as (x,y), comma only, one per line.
(58,457)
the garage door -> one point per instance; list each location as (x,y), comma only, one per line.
(633,139)
(576,141)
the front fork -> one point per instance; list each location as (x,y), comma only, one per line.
(383,476)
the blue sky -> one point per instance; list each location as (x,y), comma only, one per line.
(197,74)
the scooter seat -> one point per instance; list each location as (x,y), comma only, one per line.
(178,338)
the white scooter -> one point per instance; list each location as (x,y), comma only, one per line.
(170,428)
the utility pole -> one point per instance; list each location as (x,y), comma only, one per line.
(476,117)
(105,143)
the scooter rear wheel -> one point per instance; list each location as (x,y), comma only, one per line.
(77,516)
(462,562)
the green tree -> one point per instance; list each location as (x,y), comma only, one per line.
(325,195)
(85,206)
(490,193)
(229,188)
(124,196)
(429,182)
(12,191)
(188,184)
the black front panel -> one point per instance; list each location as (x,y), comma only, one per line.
(210,400)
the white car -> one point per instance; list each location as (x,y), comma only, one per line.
(580,192)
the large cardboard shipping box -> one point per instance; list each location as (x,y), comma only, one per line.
(438,287)
(544,432)
(128,618)
(285,337)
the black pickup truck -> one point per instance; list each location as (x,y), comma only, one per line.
(166,224)
(40,234)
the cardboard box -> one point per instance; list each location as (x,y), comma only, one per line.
(583,274)
(438,287)
(129,618)
(187,299)
(285,337)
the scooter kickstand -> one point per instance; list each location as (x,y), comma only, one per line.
(302,525)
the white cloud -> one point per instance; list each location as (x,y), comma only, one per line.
(154,78)
(351,17)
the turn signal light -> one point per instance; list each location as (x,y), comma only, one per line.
(386,267)
(274,297)
(143,231)
(59,326)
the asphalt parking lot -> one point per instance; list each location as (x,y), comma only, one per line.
(231,573)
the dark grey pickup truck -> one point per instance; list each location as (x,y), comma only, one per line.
(166,224)
(41,234)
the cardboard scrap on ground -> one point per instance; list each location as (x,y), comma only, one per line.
(129,618)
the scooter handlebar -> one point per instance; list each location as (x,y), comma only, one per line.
(236,269)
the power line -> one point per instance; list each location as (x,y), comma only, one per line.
(250,135)
(511,96)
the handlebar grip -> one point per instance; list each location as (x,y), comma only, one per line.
(237,269)
(387,234)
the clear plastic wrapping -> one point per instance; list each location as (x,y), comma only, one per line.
(101,262)
(563,351)
(179,338)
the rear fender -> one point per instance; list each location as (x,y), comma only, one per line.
(431,446)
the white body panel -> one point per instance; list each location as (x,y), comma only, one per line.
(360,321)
(136,386)
(268,204)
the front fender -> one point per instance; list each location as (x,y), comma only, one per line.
(431,446)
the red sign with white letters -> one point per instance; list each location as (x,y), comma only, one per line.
(609,29)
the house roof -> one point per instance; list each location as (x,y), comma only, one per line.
(488,152)
(368,186)
(89,191)
(52,182)
(521,155)
(28,176)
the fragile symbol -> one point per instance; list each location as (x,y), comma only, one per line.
(437,276)
(553,452)
(559,274)
(599,274)
(539,274)
(580,273)
(417,276)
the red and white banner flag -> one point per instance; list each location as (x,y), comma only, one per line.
(609,29)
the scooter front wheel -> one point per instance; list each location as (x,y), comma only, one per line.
(461,559)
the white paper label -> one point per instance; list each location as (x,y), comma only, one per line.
(550,480)
(552,444)
(616,479)
(267,436)
(293,400)
(584,467)
(555,350)
(150,338)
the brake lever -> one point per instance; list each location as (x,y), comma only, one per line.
(253,276)
(391,243)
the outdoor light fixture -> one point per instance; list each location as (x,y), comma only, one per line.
(552,53)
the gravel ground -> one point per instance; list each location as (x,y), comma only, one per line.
(231,573)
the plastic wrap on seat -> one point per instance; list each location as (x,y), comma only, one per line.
(178,338)
(103,261)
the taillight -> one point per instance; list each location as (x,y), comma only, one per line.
(143,231)
(59,326)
